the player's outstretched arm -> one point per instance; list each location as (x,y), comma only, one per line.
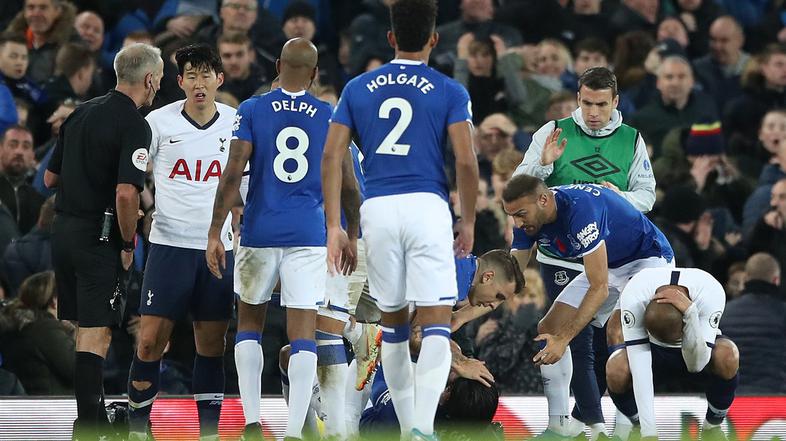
(226,197)
(467,182)
(336,146)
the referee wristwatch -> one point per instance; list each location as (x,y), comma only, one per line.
(128,246)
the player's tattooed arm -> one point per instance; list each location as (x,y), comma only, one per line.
(229,184)
(226,197)
(350,197)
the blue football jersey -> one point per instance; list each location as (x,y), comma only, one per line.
(590,214)
(284,205)
(400,113)
(465,272)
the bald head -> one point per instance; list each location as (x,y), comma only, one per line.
(663,320)
(299,53)
(726,40)
(764,267)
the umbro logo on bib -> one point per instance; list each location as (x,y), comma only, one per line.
(595,165)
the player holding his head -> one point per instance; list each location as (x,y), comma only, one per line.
(189,148)
(597,227)
(402,113)
(283,235)
(670,320)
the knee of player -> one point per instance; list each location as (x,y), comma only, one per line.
(618,375)
(149,348)
(283,357)
(725,358)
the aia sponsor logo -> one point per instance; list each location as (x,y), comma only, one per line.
(197,171)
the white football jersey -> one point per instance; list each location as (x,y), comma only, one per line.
(703,290)
(187,163)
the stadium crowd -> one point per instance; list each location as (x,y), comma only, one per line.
(703,81)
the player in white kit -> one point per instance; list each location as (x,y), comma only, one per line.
(670,321)
(189,150)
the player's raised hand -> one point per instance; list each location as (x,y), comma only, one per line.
(215,257)
(673,296)
(337,242)
(554,350)
(553,148)
(465,238)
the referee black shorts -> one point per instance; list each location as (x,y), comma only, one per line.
(86,272)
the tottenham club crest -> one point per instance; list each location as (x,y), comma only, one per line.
(715,319)
(561,278)
(222,149)
(628,319)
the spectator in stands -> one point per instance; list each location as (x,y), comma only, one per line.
(74,69)
(13,68)
(698,15)
(184,17)
(261,26)
(494,135)
(46,24)
(504,341)
(476,69)
(17,160)
(688,227)
(696,157)
(504,165)
(769,233)
(764,89)
(630,52)
(719,72)
(759,201)
(299,20)
(585,20)
(30,253)
(243,77)
(477,16)
(755,322)
(636,15)
(528,95)
(90,27)
(36,346)
(365,39)
(735,281)
(561,105)
(591,52)
(751,157)
(676,105)
(673,28)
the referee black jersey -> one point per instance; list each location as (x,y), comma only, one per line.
(103,143)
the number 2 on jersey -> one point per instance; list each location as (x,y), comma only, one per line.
(389,145)
(297,154)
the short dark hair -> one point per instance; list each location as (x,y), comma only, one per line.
(592,45)
(413,23)
(471,402)
(12,38)
(507,266)
(201,56)
(14,127)
(521,186)
(234,38)
(71,57)
(599,78)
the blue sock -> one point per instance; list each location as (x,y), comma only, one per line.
(140,402)
(208,388)
(720,395)
(584,383)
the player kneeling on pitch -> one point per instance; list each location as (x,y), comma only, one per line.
(670,321)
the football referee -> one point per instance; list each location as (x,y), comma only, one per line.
(98,166)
